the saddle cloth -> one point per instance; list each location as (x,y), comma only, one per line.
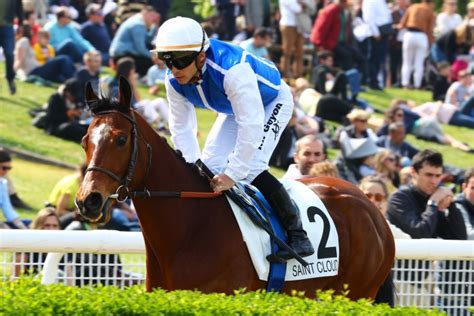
(320,229)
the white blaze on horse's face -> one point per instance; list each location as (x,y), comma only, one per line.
(99,133)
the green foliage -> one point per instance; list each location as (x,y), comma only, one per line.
(183,8)
(203,8)
(28,297)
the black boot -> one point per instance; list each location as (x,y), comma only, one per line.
(17,202)
(289,215)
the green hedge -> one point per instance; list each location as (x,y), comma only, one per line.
(28,297)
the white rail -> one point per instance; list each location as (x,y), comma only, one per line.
(427,273)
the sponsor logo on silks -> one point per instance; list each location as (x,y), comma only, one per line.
(273,123)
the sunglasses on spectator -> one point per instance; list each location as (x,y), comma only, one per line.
(5,168)
(399,115)
(377,196)
(362,121)
(392,159)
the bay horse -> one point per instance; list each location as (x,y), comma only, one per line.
(195,243)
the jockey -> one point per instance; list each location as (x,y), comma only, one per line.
(253,104)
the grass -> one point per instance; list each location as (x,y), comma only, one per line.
(34,181)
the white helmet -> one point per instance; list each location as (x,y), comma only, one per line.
(181,34)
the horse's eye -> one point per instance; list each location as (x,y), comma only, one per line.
(121,140)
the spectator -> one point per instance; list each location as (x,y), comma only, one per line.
(395,142)
(154,111)
(291,62)
(386,168)
(309,150)
(12,218)
(64,192)
(30,19)
(323,169)
(356,159)
(43,50)
(377,14)
(64,110)
(9,9)
(228,11)
(465,202)
(91,69)
(453,43)
(424,209)
(258,44)
(395,42)
(448,19)
(399,111)
(156,75)
(332,31)
(57,69)
(95,31)
(134,37)
(442,81)
(327,79)
(65,39)
(32,263)
(444,113)
(419,23)
(257,14)
(162,7)
(128,8)
(459,91)
(358,128)
(376,191)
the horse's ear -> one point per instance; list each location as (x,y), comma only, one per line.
(125,94)
(91,97)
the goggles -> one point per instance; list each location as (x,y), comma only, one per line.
(181,59)
(175,60)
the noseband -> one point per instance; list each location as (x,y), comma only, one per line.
(122,191)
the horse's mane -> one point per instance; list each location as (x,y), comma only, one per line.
(104,103)
(108,103)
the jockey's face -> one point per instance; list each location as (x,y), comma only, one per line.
(188,74)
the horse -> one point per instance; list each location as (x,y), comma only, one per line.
(195,242)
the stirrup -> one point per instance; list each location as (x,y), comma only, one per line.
(274,258)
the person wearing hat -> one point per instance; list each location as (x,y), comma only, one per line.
(95,31)
(253,104)
(11,216)
(64,110)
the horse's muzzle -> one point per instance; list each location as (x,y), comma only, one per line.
(91,207)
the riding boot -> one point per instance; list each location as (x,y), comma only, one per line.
(289,215)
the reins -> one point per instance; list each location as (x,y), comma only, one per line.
(123,192)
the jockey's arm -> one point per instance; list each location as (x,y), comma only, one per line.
(240,84)
(183,124)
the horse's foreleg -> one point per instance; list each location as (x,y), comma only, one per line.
(153,271)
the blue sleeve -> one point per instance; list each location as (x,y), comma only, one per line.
(77,38)
(5,203)
(139,36)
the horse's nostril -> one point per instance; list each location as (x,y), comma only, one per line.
(93,201)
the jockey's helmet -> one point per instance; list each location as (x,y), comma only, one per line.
(179,41)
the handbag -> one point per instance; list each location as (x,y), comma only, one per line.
(387,29)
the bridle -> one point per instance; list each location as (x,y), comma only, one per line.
(123,191)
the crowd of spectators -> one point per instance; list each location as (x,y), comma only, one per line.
(328,52)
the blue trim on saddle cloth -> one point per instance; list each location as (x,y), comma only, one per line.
(276,275)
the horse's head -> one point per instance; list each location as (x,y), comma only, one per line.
(111,146)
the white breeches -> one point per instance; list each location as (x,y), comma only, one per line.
(221,140)
(415,49)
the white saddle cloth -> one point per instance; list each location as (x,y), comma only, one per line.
(312,211)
